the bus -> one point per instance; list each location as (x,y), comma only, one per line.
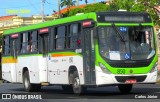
(88,50)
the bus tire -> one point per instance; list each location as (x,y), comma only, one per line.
(125,88)
(28,86)
(77,88)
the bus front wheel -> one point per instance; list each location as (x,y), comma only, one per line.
(125,88)
(28,86)
(77,88)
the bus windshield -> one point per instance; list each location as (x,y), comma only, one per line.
(138,43)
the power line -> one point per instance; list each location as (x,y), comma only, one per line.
(50,3)
(42,8)
(34,6)
(51,6)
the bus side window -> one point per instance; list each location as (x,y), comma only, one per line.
(29,42)
(51,39)
(60,38)
(24,42)
(75,39)
(6,45)
(34,40)
(55,38)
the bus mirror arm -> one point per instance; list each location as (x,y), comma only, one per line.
(94,32)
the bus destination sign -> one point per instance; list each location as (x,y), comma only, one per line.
(123,17)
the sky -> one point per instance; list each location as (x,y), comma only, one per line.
(26,8)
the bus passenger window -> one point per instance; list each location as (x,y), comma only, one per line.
(60,38)
(55,39)
(29,46)
(6,50)
(34,41)
(75,39)
(24,43)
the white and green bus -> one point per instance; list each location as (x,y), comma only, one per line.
(87,50)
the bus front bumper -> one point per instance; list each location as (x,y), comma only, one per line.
(107,79)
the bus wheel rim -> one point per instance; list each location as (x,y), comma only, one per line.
(76,83)
(26,83)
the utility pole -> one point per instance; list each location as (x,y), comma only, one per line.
(77,2)
(94,1)
(42,8)
(59,13)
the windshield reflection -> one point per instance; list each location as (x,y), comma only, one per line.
(138,43)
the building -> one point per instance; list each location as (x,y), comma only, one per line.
(14,21)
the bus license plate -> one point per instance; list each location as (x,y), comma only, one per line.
(131,81)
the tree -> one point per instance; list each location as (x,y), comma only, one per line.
(115,5)
(88,8)
(147,6)
(124,4)
(67,3)
(138,6)
(86,1)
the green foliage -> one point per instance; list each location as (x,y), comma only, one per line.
(73,12)
(68,3)
(95,7)
(124,4)
(88,8)
(138,8)
(115,5)
(158,22)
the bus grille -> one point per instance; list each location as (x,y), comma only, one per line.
(124,78)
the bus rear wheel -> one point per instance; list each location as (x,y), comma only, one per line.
(125,88)
(77,88)
(28,86)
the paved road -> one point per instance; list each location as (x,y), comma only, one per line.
(56,92)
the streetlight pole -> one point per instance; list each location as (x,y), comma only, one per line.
(59,13)
(77,2)
(42,8)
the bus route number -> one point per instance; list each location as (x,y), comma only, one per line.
(121,71)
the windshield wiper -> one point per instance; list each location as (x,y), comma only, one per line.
(118,32)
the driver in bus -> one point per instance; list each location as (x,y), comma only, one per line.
(133,43)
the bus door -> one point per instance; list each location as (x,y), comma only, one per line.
(44,43)
(89,56)
(14,60)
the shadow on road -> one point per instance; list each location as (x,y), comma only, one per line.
(56,92)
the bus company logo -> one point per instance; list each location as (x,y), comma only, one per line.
(6,96)
(131,71)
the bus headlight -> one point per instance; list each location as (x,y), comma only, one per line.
(104,69)
(155,68)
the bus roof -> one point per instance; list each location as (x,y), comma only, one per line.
(91,15)
(97,16)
